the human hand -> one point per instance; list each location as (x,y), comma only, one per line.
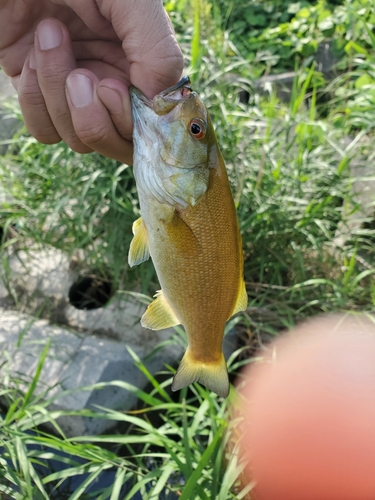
(71,63)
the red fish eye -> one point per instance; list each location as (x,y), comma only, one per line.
(197,128)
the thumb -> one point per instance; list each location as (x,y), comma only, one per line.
(148,41)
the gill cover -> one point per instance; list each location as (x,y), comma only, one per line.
(171,157)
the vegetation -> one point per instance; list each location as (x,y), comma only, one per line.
(182,456)
(295,165)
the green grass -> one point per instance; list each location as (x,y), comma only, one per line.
(182,451)
(292,167)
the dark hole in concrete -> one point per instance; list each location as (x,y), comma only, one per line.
(90,292)
(8,232)
(244,96)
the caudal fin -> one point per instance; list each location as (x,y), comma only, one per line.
(214,376)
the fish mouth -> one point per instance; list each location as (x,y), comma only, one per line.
(183,83)
(168,95)
(146,111)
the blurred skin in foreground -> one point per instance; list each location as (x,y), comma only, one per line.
(308,412)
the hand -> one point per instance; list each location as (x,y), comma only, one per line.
(72,73)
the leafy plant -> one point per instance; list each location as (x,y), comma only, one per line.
(182,453)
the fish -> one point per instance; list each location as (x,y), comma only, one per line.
(189,227)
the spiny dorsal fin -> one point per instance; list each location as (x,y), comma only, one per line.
(138,251)
(159,314)
(213,375)
(241,303)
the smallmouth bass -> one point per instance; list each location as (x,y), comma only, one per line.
(189,227)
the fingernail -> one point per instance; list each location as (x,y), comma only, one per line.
(112,100)
(80,90)
(32,60)
(49,35)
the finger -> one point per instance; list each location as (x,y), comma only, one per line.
(54,62)
(115,97)
(103,70)
(88,11)
(105,52)
(91,119)
(16,34)
(32,104)
(149,42)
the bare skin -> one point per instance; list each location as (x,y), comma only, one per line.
(72,62)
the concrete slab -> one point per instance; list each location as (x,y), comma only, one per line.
(42,279)
(8,124)
(362,189)
(91,348)
(74,361)
(6,88)
(24,338)
(44,270)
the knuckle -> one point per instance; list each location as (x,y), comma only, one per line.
(30,95)
(53,75)
(78,147)
(93,135)
(47,136)
(11,65)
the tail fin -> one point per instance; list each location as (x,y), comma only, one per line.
(212,375)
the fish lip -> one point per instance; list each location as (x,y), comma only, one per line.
(184,82)
(137,94)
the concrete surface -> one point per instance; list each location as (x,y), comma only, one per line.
(41,280)
(8,124)
(75,360)
(88,348)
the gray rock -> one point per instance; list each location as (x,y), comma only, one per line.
(93,348)
(282,83)
(24,337)
(6,87)
(362,188)
(75,361)
(42,279)
(8,124)
(325,60)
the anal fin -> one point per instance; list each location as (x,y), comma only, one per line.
(159,314)
(242,300)
(138,251)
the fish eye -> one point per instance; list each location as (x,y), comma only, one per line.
(197,128)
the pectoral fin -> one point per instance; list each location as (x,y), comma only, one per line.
(241,303)
(138,251)
(159,314)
